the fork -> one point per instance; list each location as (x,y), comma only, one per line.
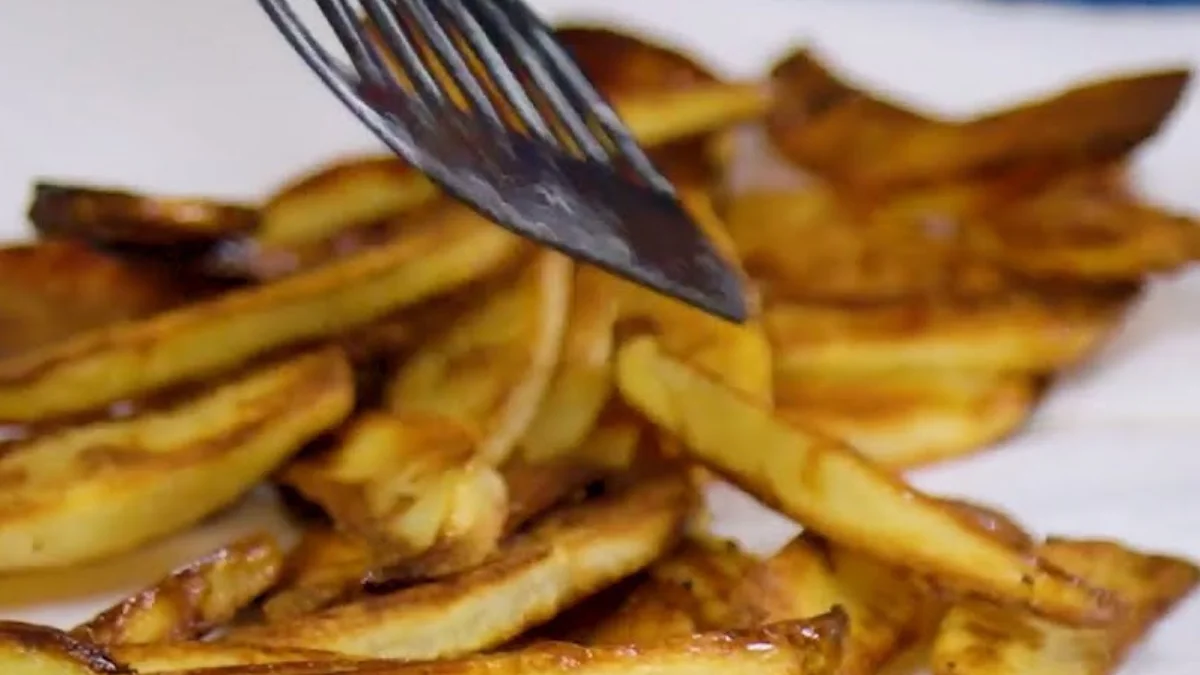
(480,96)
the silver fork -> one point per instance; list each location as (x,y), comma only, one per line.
(529,142)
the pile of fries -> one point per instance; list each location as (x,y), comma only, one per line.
(497,456)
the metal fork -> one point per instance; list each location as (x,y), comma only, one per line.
(479,96)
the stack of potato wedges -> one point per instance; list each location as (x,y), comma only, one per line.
(496,457)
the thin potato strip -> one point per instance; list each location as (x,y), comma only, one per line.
(98,489)
(27,649)
(200,340)
(327,566)
(193,600)
(824,484)
(565,558)
(489,372)
(978,638)
(170,657)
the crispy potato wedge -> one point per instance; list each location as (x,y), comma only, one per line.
(409,486)
(112,216)
(849,135)
(131,359)
(27,649)
(690,591)
(89,491)
(977,638)
(565,558)
(889,610)
(40,305)
(192,600)
(1022,332)
(490,371)
(824,484)
(582,382)
(811,244)
(910,419)
(327,566)
(170,657)
(997,524)
(345,193)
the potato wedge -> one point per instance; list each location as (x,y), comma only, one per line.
(410,488)
(327,566)
(489,372)
(170,657)
(977,638)
(40,305)
(131,359)
(824,484)
(910,419)
(113,216)
(94,490)
(1017,333)
(565,558)
(888,609)
(28,649)
(192,600)
(690,591)
(846,134)
(582,382)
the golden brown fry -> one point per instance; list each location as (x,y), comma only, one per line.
(853,137)
(823,484)
(88,491)
(997,524)
(1018,332)
(977,638)
(192,600)
(490,370)
(185,656)
(690,591)
(536,487)
(27,649)
(888,609)
(52,290)
(909,419)
(186,344)
(408,485)
(582,382)
(326,567)
(565,558)
(110,216)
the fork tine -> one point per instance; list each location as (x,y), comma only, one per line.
(396,37)
(363,54)
(443,47)
(501,30)
(577,87)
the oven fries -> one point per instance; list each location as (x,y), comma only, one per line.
(485,445)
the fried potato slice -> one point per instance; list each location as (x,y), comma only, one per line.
(326,567)
(410,487)
(889,610)
(977,638)
(1023,332)
(690,591)
(851,136)
(170,657)
(84,492)
(347,192)
(192,600)
(186,344)
(565,558)
(997,524)
(28,649)
(909,419)
(40,304)
(582,382)
(490,370)
(112,216)
(825,485)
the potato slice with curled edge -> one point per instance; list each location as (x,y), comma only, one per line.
(490,370)
(85,492)
(903,420)
(111,216)
(200,340)
(856,138)
(979,638)
(825,485)
(193,600)
(409,486)
(1019,332)
(566,557)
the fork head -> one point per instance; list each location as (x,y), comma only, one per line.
(479,95)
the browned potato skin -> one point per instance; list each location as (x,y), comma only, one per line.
(192,600)
(28,649)
(113,216)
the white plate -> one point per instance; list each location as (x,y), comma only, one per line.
(202,98)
